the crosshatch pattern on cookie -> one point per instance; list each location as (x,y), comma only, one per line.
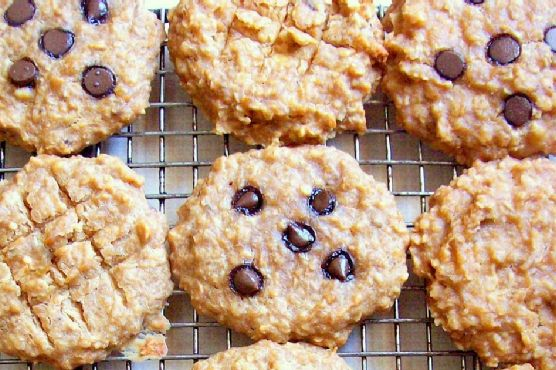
(279,71)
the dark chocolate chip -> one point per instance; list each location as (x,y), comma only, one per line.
(98,81)
(503,49)
(450,65)
(19,12)
(299,238)
(518,110)
(246,280)
(248,201)
(95,11)
(322,202)
(550,38)
(475,2)
(23,73)
(339,265)
(57,42)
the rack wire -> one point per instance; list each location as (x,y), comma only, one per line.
(173,147)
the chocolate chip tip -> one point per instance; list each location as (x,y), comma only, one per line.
(299,237)
(246,280)
(322,202)
(98,81)
(248,200)
(339,265)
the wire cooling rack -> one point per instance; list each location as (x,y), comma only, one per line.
(173,147)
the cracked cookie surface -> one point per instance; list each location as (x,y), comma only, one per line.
(83,263)
(475,79)
(279,71)
(487,248)
(65,75)
(290,244)
(269,355)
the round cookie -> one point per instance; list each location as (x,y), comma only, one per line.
(521,367)
(290,244)
(279,72)
(269,355)
(83,264)
(65,71)
(475,79)
(487,248)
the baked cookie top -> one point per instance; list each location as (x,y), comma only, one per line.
(290,244)
(488,250)
(475,78)
(521,367)
(269,355)
(66,77)
(279,71)
(83,265)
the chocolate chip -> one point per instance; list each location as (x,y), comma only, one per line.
(550,38)
(248,201)
(449,65)
(518,110)
(322,202)
(19,12)
(246,280)
(299,238)
(95,11)
(23,73)
(503,49)
(475,2)
(98,81)
(339,265)
(57,42)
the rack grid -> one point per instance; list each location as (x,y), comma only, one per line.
(173,147)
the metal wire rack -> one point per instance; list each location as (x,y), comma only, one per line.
(173,147)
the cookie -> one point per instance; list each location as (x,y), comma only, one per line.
(269,355)
(83,263)
(475,79)
(290,244)
(521,367)
(487,249)
(65,72)
(279,72)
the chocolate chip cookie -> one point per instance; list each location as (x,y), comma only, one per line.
(83,265)
(487,248)
(290,244)
(475,78)
(269,355)
(279,72)
(66,77)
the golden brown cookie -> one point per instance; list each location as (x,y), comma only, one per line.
(66,77)
(279,71)
(521,367)
(475,78)
(266,355)
(487,248)
(290,244)
(83,265)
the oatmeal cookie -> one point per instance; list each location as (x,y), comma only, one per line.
(269,355)
(65,72)
(279,71)
(83,265)
(475,78)
(487,248)
(290,244)
(521,367)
